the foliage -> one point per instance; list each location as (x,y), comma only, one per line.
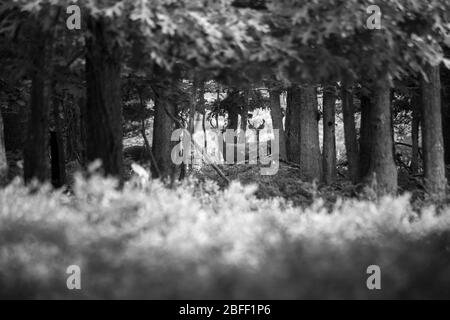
(331,37)
(195,241)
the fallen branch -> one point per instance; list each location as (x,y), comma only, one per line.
(409,146)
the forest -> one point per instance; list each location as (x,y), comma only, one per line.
(224,149)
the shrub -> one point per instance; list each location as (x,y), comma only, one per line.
(196,241)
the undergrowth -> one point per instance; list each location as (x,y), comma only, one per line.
(197,240)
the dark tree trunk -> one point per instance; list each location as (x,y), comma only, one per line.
(382,170)
(82,131)
(103,109)
(365,137)
(433,141)
(203,110)
(71,131)
(244,111)
(415,126)
(329,134)
(292,124)
(351,141)
(243,129)
(310,157)
(3,160)
(445,76)
(233,117)
(232,124)
(205,137)
(15,130)
(277,120)
(58,171)
(58,159)
(192,108)
(36,145)
(162,145)
(394,147)
(191,123)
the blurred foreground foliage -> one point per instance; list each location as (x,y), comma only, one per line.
(199,241)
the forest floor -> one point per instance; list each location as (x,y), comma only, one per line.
(289,184)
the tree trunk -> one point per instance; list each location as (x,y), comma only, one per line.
(232,124)
(292,123)
(277,120)
(162,131)
(415,126)
(81,105)
(394,147)
(233,118)
(351,142)
(365,137)
(445,76)
(15,129)
(382,171)
(433,141)
(70,121)
(103,109)
(243,129)
(310,157)
(191,123)
(329,134)
(58,160)
(36,145)
(203,110)
(3,160)
(192,107)
(244,112)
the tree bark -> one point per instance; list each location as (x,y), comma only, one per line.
(36,145)
(3,160)
(433,140)
(382,171)
(103,109)
(203,110)
(81,106)
(71,136)
(58,159)
(233,116)
(329,134)
(244,111)
(162,131)
(415,126)
(232,123)
(445,76)
(310,157)
(365,136)
(292,124)
(351,142)
(277,120)
(191,123)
